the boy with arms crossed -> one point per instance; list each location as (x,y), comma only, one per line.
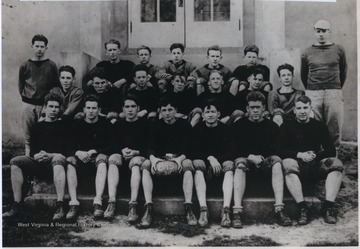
(129,140)
(89,148)
(168,144)
(281,101)
(211,152)
(255,139)
(309,154)
(36,77)
(47,148)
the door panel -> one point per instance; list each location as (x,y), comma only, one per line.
(156,23)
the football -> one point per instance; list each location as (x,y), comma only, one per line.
(166,168)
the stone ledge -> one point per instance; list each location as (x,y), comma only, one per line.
(254,208)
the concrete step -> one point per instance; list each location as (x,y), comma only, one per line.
(254,208)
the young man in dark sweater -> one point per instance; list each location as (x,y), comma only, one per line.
(36,77)
(168,147)
(128,145)
(323,73)
(211,151)
(148,97)
(184,97)
(241,73)
(47,149)
(255,149)
(89,151)
(117,71)
(255,80)
(226,101)
(308,152)
(110,98)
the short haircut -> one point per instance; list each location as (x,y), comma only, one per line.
(285,66)
(112,41)
(39,37)
(98,72)
(91,98)
(143,47)
(177,45)
(207,103)
(304,99)
(67,68)
(181,75)
(255,71)
(53,97)
(216,71)
(164,101)
(255,96)
(214,48)
(140,67)
(130,97)
(251,48)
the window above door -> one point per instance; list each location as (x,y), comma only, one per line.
(196,23)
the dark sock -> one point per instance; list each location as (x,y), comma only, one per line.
(328,204)
(301,205)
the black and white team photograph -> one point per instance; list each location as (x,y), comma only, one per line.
(180,123)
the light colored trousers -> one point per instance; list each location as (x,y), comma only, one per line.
(328,107)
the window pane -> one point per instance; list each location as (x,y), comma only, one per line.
(148,10)
(167,10)
(221,10)
(202,10)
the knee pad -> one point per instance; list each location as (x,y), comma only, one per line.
(58,159)
(199,165)
(228,166)
(187,165)
(136,161)
(101,158)
(115,159)
(333,164)
(146,165)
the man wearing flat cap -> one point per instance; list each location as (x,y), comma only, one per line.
(323,73)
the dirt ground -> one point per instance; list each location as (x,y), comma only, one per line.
(170,231)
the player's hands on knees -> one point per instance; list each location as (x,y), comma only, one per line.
(256,159)
(142,113)
(154,160)
(307,156)
(83,156)
(42,156)
(178,161)
(127,153)
(216,166)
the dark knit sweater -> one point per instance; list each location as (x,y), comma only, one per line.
(147,99)
(225,102)
(51,137)
(36,78)
(169,138)
(297,137)
(211,141)
(117,71)
(323,67)
(86,136)
(242,72)
(254,138)
(132,135)
(110,101)
(185,100)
